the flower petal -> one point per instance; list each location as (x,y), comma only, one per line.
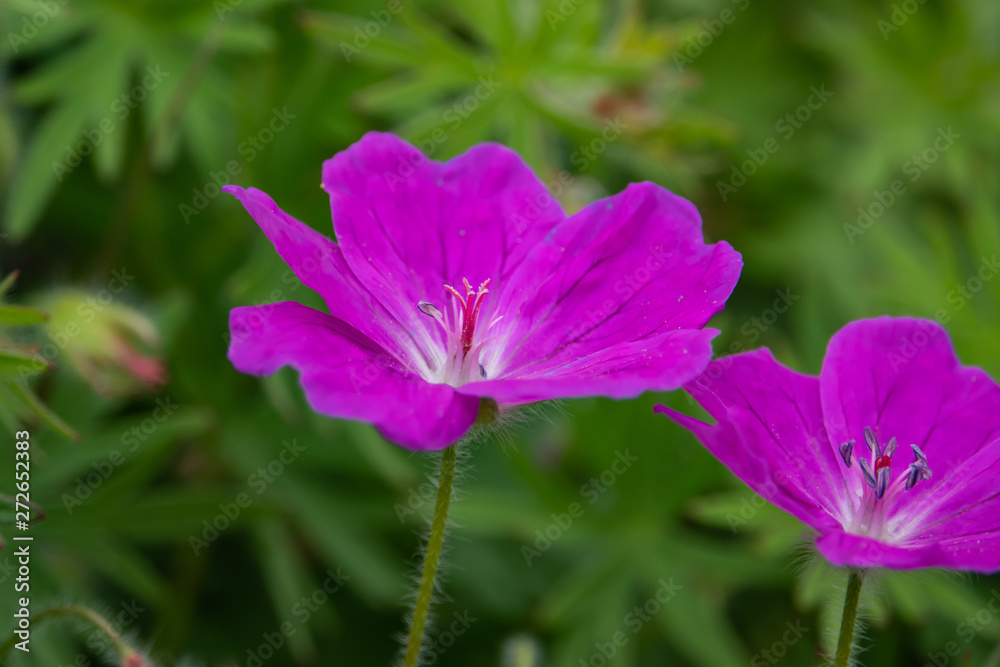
(848,550)
(901,377)
(409,226)
(979,553)
(346,374)
(964,505)
(624,269)
(318,262)
(662,363)
(770,433)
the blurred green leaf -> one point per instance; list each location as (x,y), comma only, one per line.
(18,363)
(20,315)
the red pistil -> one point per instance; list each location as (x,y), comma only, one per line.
(882,462)
(470,304)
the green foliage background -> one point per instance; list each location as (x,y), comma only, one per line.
(693,87)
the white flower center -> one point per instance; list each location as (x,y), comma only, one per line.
(459,362)
(870,508)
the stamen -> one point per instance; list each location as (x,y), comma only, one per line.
(846,450)
(890,448)
(866,470)
(872,442)
(918,471)
(428,308)
(882,483)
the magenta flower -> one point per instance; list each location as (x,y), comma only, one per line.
(922,489)
(465,280)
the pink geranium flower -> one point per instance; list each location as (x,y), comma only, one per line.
(460,281)
(892,454)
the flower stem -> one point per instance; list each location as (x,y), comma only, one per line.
(850,616)
(79,611)
(432,558)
